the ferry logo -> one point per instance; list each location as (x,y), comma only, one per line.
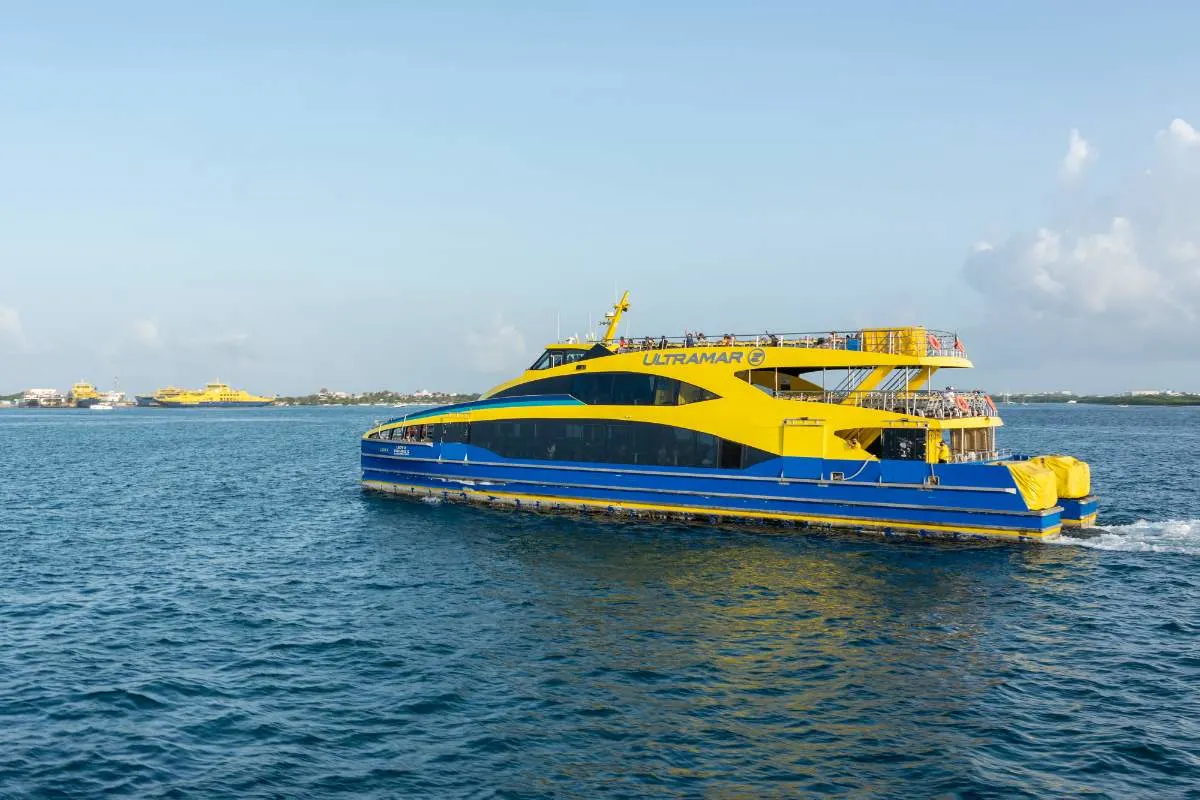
(714,357)
(757,356)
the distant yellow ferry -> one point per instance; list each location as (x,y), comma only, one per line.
(83,395)
(213,395)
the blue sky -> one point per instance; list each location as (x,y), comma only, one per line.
(360,195)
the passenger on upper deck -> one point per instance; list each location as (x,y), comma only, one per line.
(688,339)
(727,340)
(701,339)
(662,343)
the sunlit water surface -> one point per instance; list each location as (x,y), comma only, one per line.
(204,603)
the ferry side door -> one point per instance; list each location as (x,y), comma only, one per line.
(803,437)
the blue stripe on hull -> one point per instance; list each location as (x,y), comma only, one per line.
(709,491)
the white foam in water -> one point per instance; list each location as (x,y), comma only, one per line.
(1144,536)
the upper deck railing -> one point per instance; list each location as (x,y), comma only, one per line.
(911,341)
(928,404)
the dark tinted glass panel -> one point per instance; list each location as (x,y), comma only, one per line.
(455,432)
(693,394)
(592,387)
(612,442)
(706,450)
(632,389)
(614,389)
(730,454)
(666,391)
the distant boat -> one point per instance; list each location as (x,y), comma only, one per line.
(83,395)
(1072,402)
(212,396)
(1123,405)
(101,406)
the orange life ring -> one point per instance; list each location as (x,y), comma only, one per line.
(991,403)
(935,342)
(962,404)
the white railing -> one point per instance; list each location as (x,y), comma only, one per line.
(927,404)
(896,341)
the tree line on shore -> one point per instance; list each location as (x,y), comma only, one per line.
(1162,399)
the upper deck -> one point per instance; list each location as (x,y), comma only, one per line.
(913,346)
(912,341)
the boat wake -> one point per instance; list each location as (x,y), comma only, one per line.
(1143,536)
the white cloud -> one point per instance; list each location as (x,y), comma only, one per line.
(1109,271)
(1183,133)
(1079,154)
(146,333)
(12,333)
(498,348)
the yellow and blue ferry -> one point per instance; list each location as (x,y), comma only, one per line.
(837,429)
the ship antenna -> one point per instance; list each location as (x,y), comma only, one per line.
(614,317)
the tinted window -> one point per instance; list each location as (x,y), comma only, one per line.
(614,389)
(455,432)
(556,358)
(612,442)
(693,394)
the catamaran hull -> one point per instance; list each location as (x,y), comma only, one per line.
(894,498)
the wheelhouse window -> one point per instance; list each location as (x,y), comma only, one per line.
(615,389)
(556,358)
(612,442)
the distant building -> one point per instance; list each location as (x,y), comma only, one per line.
(1145,392)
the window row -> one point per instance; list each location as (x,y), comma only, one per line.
(596,441)
(615,389)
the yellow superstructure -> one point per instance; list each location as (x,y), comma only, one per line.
(793,397)
(212,395)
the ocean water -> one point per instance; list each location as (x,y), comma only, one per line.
(205,604)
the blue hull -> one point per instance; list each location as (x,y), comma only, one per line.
(968,500)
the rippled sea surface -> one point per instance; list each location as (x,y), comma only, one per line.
(201,603)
